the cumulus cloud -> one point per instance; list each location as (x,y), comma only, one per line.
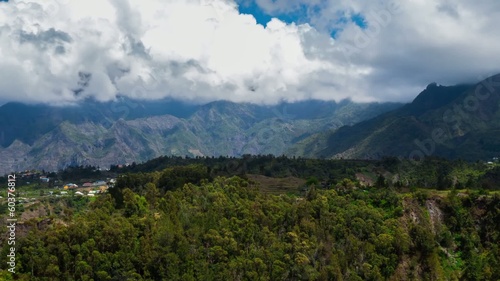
(61,51)
(407,44)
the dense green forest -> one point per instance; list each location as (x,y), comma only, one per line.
(195,221)
(431,172)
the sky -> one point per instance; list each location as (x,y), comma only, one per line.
(259,51)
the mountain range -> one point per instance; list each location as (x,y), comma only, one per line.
(126,131)
(461,121)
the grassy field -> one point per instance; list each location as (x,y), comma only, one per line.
(278,185)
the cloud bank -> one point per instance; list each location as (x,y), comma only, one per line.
(61,51)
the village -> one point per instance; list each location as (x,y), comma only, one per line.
(33,186)
(88,188)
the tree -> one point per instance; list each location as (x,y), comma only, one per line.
(152,195)
(312,180)
(381,182)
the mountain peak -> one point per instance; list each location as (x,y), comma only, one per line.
(435,96)
(431,86)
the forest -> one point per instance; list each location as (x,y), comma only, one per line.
(207,219)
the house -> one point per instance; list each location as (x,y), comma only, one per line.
(64,192)
(93,192)
(44,179)
(79,193)
(70,186)
(87,184)
(91,195)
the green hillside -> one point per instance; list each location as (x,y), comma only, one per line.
(188,223)
(448,121)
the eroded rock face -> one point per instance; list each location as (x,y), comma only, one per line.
(435,213)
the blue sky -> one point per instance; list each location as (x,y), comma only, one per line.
(250,7)
(298,16)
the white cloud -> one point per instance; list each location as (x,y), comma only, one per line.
(203,50)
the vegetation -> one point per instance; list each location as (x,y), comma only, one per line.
(199,222)
(431,172)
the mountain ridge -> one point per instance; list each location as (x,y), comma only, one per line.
(461,121)
(127,131)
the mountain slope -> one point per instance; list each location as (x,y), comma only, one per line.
(131,131)
(455,122)
(27,123)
